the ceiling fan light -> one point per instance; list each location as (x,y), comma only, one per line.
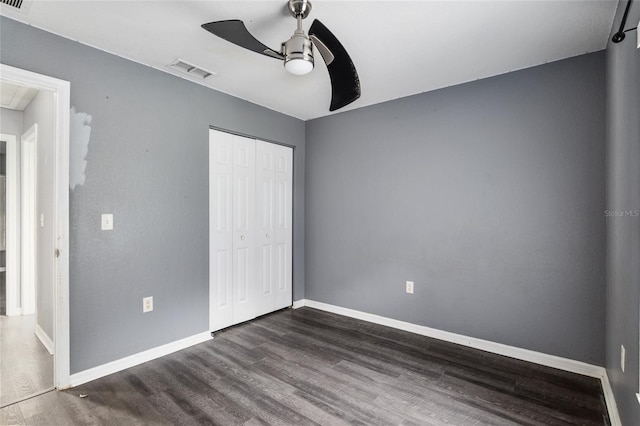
(298,54)
(298,66)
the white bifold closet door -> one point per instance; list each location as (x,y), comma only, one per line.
(250,233)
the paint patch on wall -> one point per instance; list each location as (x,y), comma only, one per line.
(79,135)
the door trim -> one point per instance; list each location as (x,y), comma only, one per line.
(61,90)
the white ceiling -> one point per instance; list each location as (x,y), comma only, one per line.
(15,97)
(399,48)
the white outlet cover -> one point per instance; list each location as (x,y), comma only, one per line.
(638,33)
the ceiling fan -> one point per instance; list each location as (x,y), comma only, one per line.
(297,52)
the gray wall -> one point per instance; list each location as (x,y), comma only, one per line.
(147,163)
(40,111)
(488,195)
(11,122)
(623,232)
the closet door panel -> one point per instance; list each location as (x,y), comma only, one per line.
(283,211)
(220,231)
(265,198)
(244,256)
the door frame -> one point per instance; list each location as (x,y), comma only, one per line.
(62,105)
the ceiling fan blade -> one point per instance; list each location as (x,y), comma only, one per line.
(236,32)
(345,83)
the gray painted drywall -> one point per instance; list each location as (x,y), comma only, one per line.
(11,122)
(623,232)
(147,163)
(488,195)
(41,111)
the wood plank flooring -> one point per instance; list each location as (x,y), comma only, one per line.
(26,367)
(307,367)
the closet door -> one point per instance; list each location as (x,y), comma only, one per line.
(283,211)
(244,194)
(266,235)
(231,229)
(220,230)
(274,233)
(250,208)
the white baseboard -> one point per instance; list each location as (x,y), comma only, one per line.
(94,373)
(13,312)
(553,361)
(612,407)
(298,303)
(45,339)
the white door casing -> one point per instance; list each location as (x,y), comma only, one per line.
(61,90)
(250,183)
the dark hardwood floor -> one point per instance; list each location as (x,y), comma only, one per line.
(310,367)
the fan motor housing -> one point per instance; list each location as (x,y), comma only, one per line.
(298,47)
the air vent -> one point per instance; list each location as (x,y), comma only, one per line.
(21,5)
(13,3)
(190,69)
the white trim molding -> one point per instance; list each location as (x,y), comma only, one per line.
(553,361)
(103,370)
(297,304)
(44,339)
(612,407)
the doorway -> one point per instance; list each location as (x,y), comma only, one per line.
(42,305)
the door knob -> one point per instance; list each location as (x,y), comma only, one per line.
(242,237)
(267,235)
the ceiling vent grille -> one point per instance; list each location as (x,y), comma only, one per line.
(21,5)
(190,69)
(13,3)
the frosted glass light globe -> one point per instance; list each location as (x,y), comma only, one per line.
(298,66)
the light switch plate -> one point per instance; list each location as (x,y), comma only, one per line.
(638,33)
(147,304)
(107,221)
(409,287)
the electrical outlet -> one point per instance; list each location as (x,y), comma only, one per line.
(409,287)
(623,356)
(147,304)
